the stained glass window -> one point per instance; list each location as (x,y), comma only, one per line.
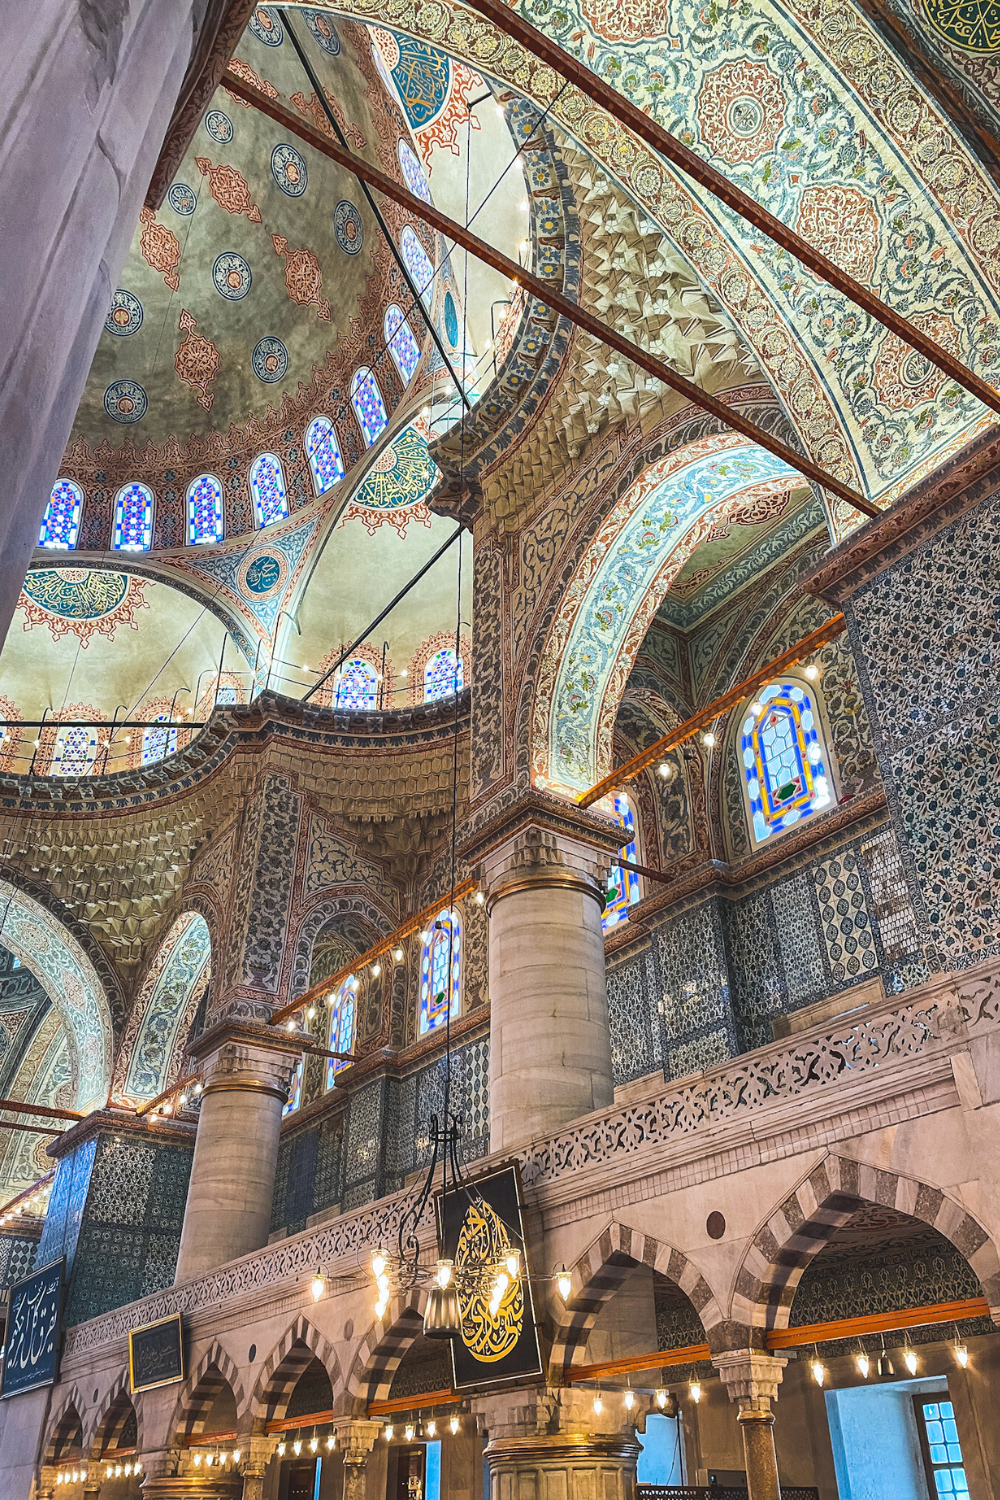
(786,777)
(623,885)
(75,751)
(324,454)
(61,522)
(341,1027)
(417,262)
(413,173)
(295,1092)
(368,404)
(157,743)
(356,685)
(442,675)
(267,485)
(133,518)
(204,509)
(943,1450)
(442,946)
(402,345)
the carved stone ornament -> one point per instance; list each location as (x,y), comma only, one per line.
(750,1376)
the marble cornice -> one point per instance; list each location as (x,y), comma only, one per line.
(155,1128)
(536,809)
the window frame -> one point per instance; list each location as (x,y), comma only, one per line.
(330,428)
(116,522)
(69,546)
(220,536)
(262,525)
(820,730)
(928,1398)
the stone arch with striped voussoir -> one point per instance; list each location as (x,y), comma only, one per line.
(214,1370)
(602,1270)
(104,1426)
(291,1356)
(67,1416)
(380,1352)
(796,1231)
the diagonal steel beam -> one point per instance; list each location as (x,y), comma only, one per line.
(540,289)
(709,177)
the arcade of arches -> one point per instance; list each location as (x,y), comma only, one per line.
(499,812)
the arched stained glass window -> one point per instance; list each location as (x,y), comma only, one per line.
(204,510)
(783,759)
(402,345)
(369,407)
(442,950)
(75,751)
(413,172)
(341,1027)
(267,485)
(418,263)
(442,675)
(324,454)
(133,518)
(295,1092)
(158,743)
(356,685)
(623,885)
(61,522)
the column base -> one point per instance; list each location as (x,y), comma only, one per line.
(576,1465)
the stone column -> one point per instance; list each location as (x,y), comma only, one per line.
(88,90)
(258,1451)
(752,1379)
(542,1443)
(245,1072)
(544,870)
(356,1440)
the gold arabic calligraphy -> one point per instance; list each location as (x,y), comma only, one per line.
(483,1241)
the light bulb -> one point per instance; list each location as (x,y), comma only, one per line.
(812,672)
(432,1429)
(376,970)
(208,1460)
(311,1013)
(962,1355)
(425,937)
(379,1311)
(318,1285)
(503,1282)
(109,1472)
(443,1273)
(864,1364)
(378,1264)
(128,1471)
(236,1455)
(297,1447)
(397,954)
(910,1361)
(183,1100)
(818,1372)
(197,1460)
(313,1444)
(389,1432)
(137,1466)
(513,1264)
(565,1283)
(408,1434)
(382,1283)
(665,769)
(708,740)
(694,1391)
(292,1024)
(661,1397)
(197,1088)
(629,1400)
(330,1441)
(480,898)
(598,1405)
(281,1450)
(454,1425)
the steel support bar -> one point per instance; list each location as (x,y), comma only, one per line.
(540,289)
(688,162)
(705,716)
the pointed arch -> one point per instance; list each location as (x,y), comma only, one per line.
(61,523)
(368,403)
(382,1348)
(267,486)
(403,345)
(133,530)
(64,1424)
(214,1371)
(204,510)
(287,1362)
(150,1055)
(111,1418)
(323,450)
(797,1230)
(785,758)
(601,1271)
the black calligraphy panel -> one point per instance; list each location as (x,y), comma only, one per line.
(156,1354)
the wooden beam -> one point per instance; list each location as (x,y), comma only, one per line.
(849,1328)
(808,645)
(19,1107)
(688,1354)
(414,1403)
(292,1424)
(31,1129)
(687,161)
(544,292)
(411,925)
(176,1088)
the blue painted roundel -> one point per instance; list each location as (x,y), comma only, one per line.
(451,320)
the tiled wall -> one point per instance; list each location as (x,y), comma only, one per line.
(17,1256)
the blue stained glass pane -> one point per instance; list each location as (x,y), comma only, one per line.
(402,345)
(939,1453)
(623,885)
(947,1410)
(133,518)
(442,675)
(204,510)
(61,522)
(954,1453)
(935,1432)
(369,407)
(950,1430)
(931,1410)
(782,757)
(443,941)
(324,454)
(357,685)
(75,751)
(413,173)
(341,1027)
(157,743)
(267,485)
(417,262)
(295,1094)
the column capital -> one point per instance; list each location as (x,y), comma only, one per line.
(250,1058)
(542,840)
(356,1438)
(750,1377)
